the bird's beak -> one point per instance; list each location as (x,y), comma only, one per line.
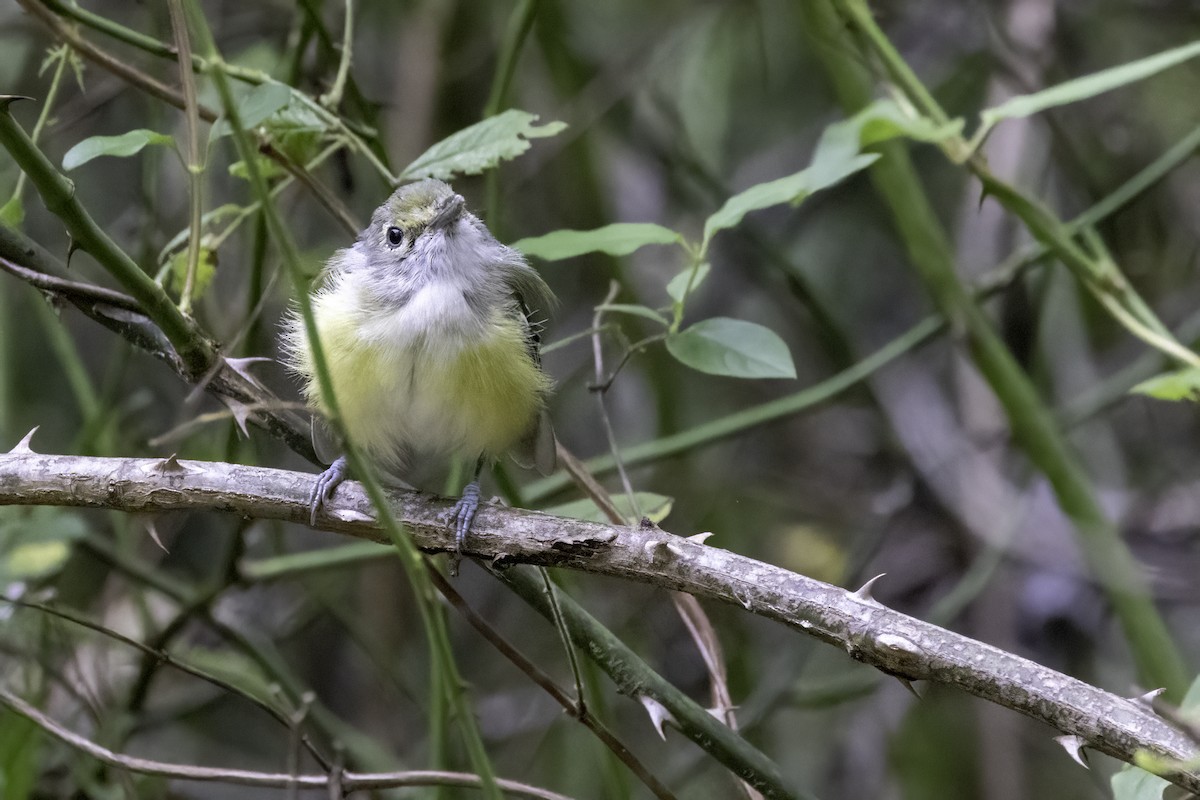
(451,208)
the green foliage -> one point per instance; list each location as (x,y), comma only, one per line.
(481,146)
(732,347)
(206,270)
(654,507)
(618,239)
(35,542)
(1088,86)
(127,144)
(1183,384)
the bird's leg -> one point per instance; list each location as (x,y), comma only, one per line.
(323,489)
(464,514)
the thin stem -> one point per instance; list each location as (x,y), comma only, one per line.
(195,153)
(333,98)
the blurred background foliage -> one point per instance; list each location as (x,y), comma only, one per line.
(671,108)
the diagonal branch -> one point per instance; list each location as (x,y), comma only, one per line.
(853,621)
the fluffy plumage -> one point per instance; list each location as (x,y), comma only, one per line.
(425,324)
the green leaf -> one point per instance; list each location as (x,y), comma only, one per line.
(838,155)
(481,146)
(1183,384)
(679,286)
(733,347)
(635,310)
(1135,783)
(255,106)
(1089,85)
(127,144)
(618,239)
(35,542)
(12,213)
(654,507)
(206,269)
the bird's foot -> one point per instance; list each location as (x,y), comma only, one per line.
(326,485)
(461,518)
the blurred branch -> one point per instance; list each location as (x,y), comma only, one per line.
(121,313)
(1034,427)
(574,708)
(345,781)
(195,351)
(853,621)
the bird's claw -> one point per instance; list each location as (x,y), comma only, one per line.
(324,487)
(461,519)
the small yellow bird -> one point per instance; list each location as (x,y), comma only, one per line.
(427,326)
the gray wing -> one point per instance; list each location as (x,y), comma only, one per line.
(536,450)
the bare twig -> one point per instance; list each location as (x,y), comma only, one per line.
(350,781)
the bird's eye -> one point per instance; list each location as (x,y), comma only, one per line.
(395,236)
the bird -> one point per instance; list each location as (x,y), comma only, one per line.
(431,331)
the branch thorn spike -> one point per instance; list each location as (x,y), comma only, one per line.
(699,538)
(864,591)
(153,531)
(658,714)
(171,464)
(23,446)
(1074,747)
(1148,698)
(907,684)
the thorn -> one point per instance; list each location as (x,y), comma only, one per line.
(1074,747)
(240,412)
(658,714)
(675,547)
(908,685)
(7,100)
(864,591)
(23,446)
(699,538)
(652,546)
(171,464)
(1148,698)
(153,531)
(71,248)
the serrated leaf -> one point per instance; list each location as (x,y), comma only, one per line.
(127,144)
(635,310)
(838,155)
(654,507)
(480,146)
(732,347)
(1089,85)
(618,239)
(255,106)
(12,213)
(678,287)
(1183,384)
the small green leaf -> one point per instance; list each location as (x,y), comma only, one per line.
(733,347)
(127,144)
(481,146)
(654,507)
(679,286)
(35,542)
(12,213)
(838,155)
(1183,384)
(618,239)
(268,168)
(1089,85)
(206,269)
(635,310)
(255,106)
